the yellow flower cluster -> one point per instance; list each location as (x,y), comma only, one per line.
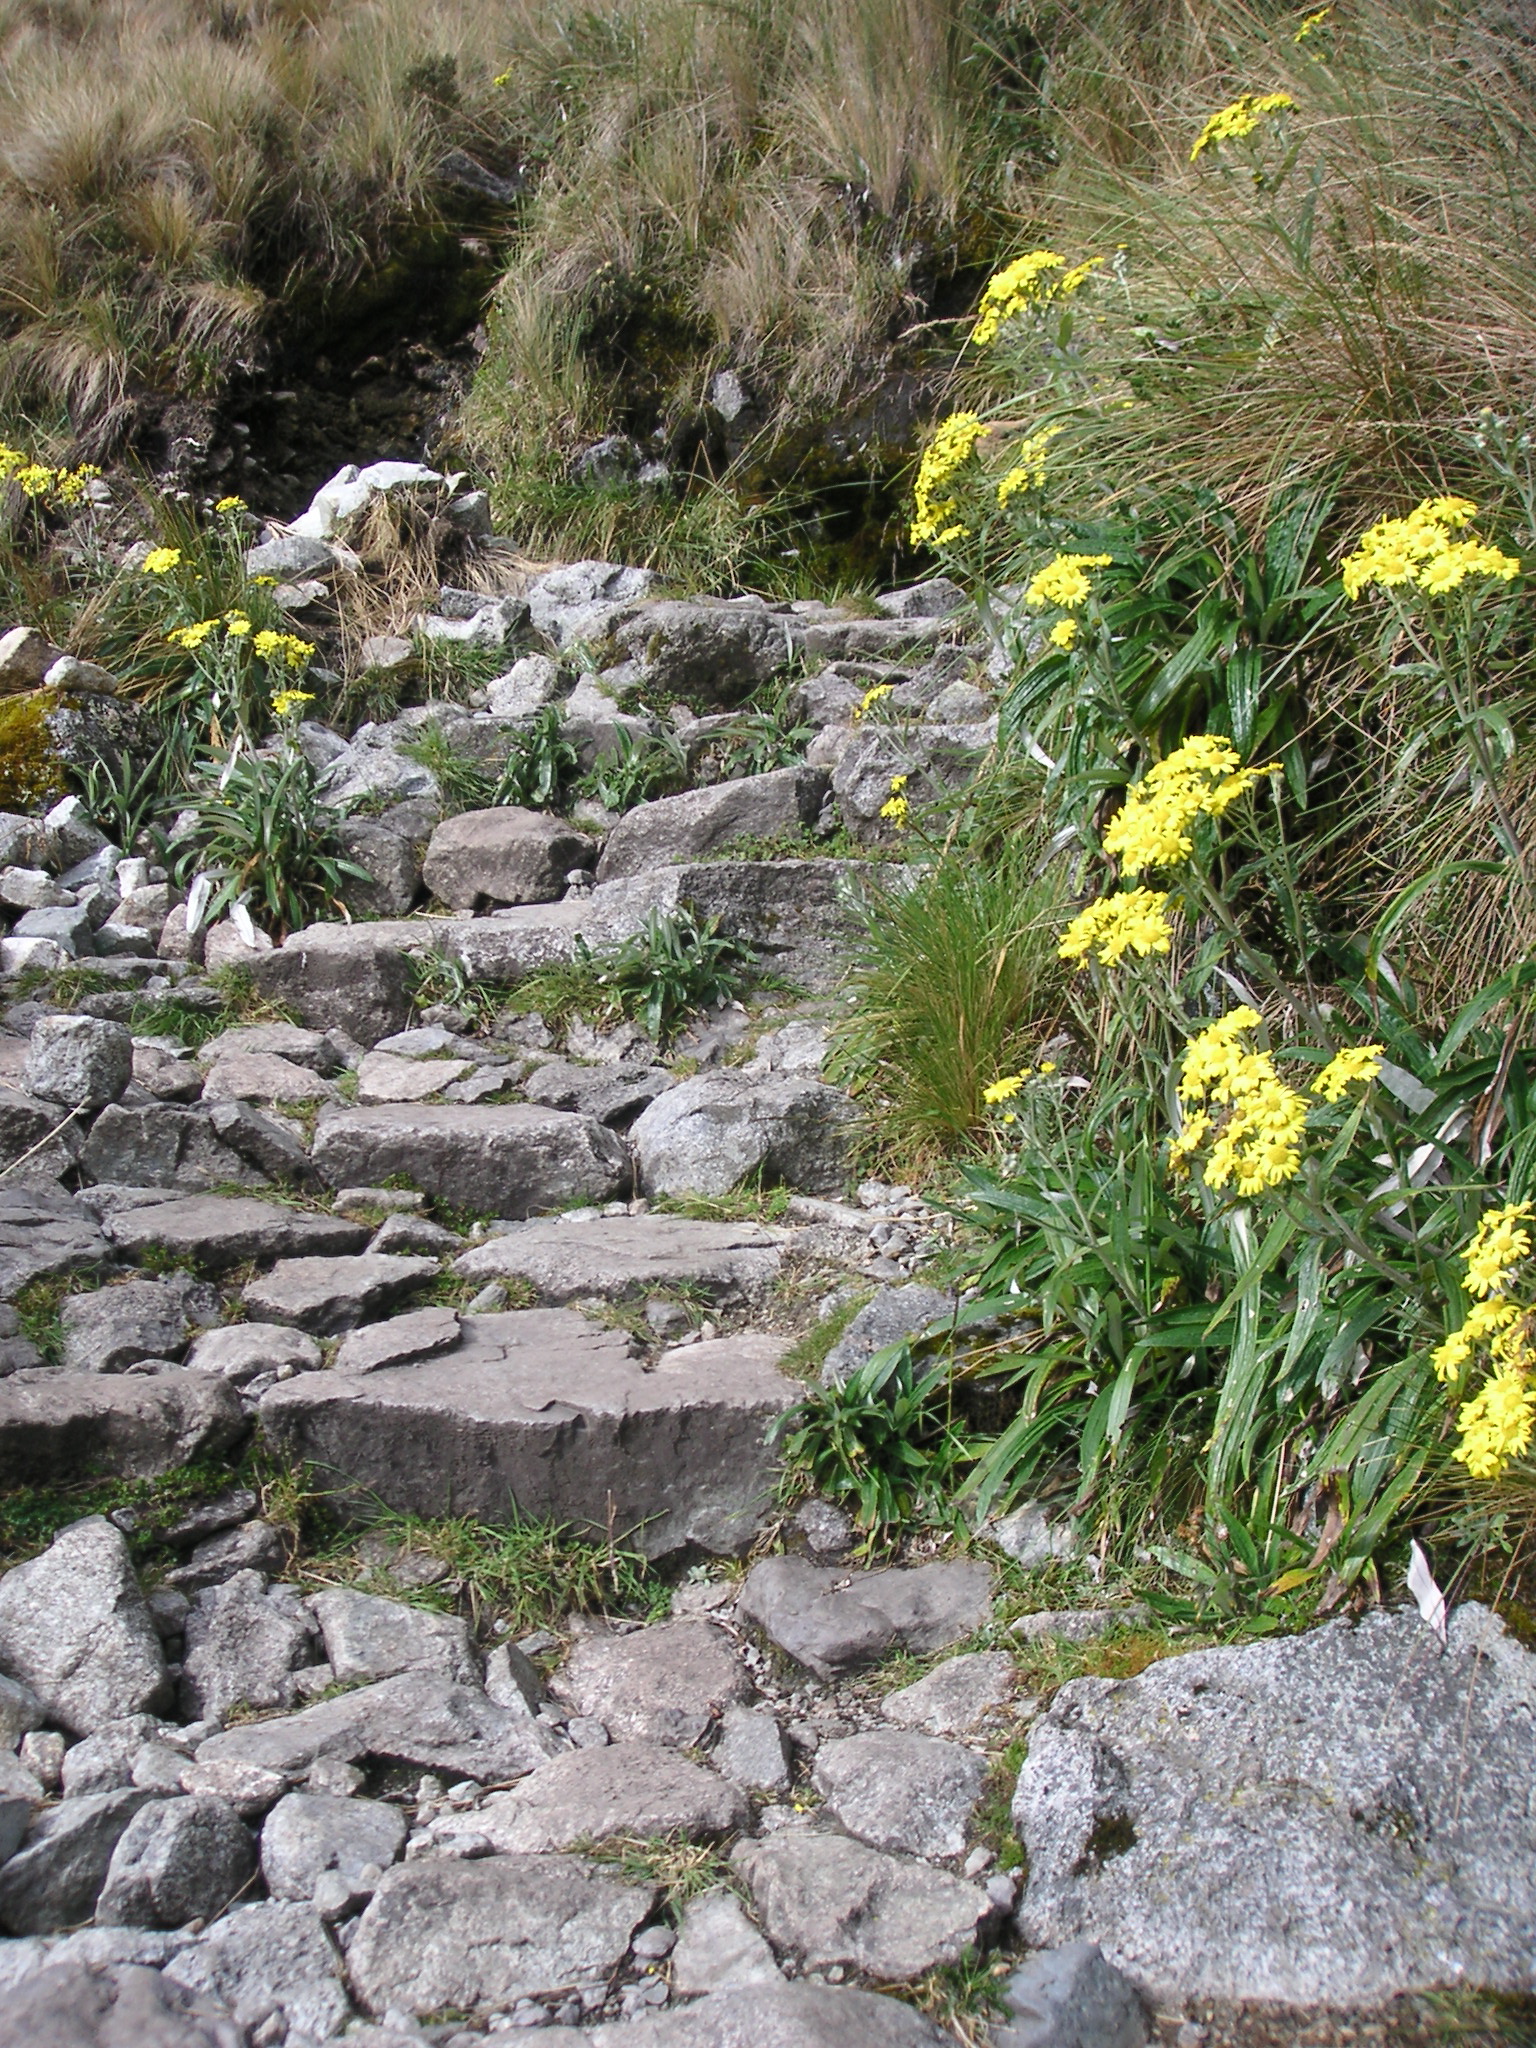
(1007,1086)
(935,510)
(230,505)
(1311,24)
(1065,581)
(874,695)
(1133,922)
(1258,1143)
(1496,1424)
(1028,471)
(1021,284)
(1497,1246)
(36,480)
(896,807)
(285,701)
(160,561)
(1204,777)
(1354,1063)
(1424,549)
(1239,119)
(236,625)
(284,647)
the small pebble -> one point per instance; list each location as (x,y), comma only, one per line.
(652,1943)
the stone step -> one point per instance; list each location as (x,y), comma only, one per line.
(622,1258)
(501,1159)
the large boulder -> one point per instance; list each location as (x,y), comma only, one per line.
(713,654)
(502,1159)
(505,855)
(476,1937)
(1333,1818)
(391,864)
(75,1628)
(58,1425)
(541,1413)
(712,1132)
(675,829)
(340,977)
(156,1145)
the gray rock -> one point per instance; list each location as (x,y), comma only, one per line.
(478,1936)
(892,1314)
(289,557)
(668,1683)
(718,1949)
(937,760)
(1071,1998)
(43,1233)
(74,1627)
(159,1145)
(68,926)
(340,977)
(328,1295)
(248,1788)
(560,600)
(635,1789)
(400,1233)
(244,1351)
(1312,1838)
(505,855)
(710,1133)
(625,1258)
(905,1792)
(20,1712)
(310,1832)
(295,1044)
(264,1077)
(391,862)
(253,1547)
(403,1339)
(751,1750)
(513,1680)
(541,1408)
(959,704)
(791,2016)
(177,1860)
(131,1428)
(383,1078)
(103,1760)
(244,1645)
(832,1621)
(26,655)
(1029,1536)
(418,1719)
(216,1232)
(716,653)
(682,828)
(956,1695)
(828,1900)
(71,2005)
(53,1879)
(1079,1624)
(828,1532)
(115,1327)
(935,598)
(528,685)
(273,1957)
(369,1638)
(502,1159)
(615,1095)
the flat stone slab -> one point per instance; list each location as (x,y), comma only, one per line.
(786,2016)
(1332,1818)
(719,1949)
(955,1695)
(666,1684)
(834,1621)
(264,1077)
(540,1413)
(828,1900)
(54,1426)
(385,1077)
(476,1937)
(634,1788)
(43,1233)
(898,1791)
(219,1231)
(503,1159)
(419,1718)
(421,1334)
(619,1258)
(327,1295)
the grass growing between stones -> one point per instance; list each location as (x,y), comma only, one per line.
(963,1997)
(808,1354)
(31,1516)
(684,1870)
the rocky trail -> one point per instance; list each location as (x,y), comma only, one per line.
(456,1255)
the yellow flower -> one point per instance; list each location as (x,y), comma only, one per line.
(1244,114)
(230,505)
(1258,1143)
(1496,1424)
(1022,284)
(1064,581)
(192,637)
(35,480)
(1311,24)
(870,698)
(934,520)
(1133,922)
(160,560)
(1004,1089)
(1497,1246)
(1028,471)
(236,625)
(896,807)
(1064,633)
(272,647)
(285,701)
(1047,1066)
(1203,777)
(263,582)
(1421,549)
(1354,1063)
(1498,1325)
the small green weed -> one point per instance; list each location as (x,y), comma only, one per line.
(684,1870)
(750,1203)
(541,765)
(640,769)
(961,1997)
(992,1821)
(808,1354)
(193,1016)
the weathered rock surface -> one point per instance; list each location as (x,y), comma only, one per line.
(897,1791)
(667,1683)
(789,2016)
(892,1314)
(43,1232)
(243,1351)
(476,1937)
(325,1296)
(751,1750)
(177,1860)
(244,1644)
(541,1408)
(265,1958)
(422,1333)
(80,1062)
(160,1145)
(369,1638)
(54,1879)
(710,1133)
(617,1258)
(340,977)
(220,1231)
(718,1949)
(675,829)
(310,1832)
(75,1629)
(718,653)
(955,1695)
(615,1095)
(833,1622)
(264,1077)
(125,2005)
(1294,1819)
(506,855)
(636,1789)
(114,1327)
(381,1077)
(417,1719)
(503,1159)
(828,1900)
(1070,1998)
(54,1427)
